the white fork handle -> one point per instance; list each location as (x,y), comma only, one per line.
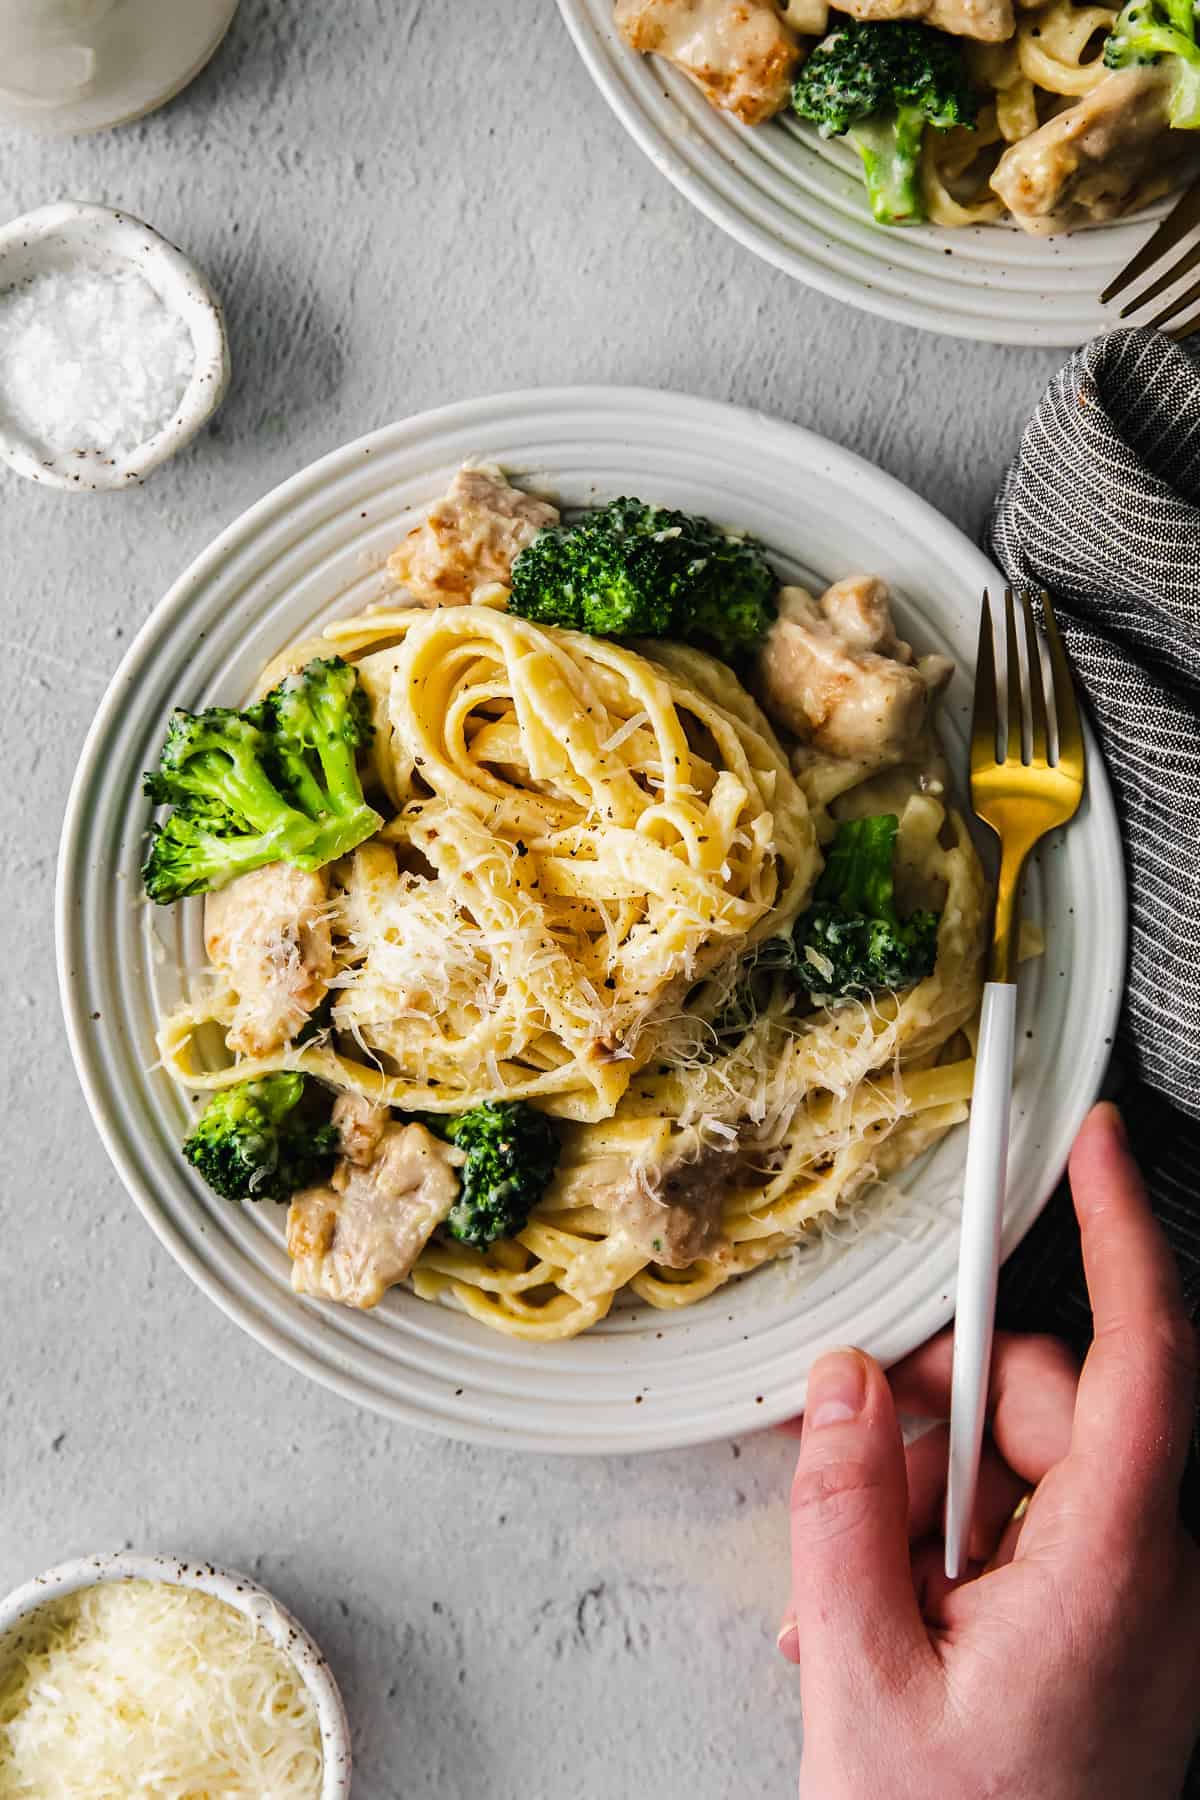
(979,1260)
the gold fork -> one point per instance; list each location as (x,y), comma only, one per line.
(1182,218)
(1032,785)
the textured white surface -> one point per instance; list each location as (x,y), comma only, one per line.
(400,203)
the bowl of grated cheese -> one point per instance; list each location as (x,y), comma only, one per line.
(113,350)
(125,1674)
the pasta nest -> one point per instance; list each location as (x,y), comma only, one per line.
(581,833)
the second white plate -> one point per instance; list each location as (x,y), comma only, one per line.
(314,549)
(799,203)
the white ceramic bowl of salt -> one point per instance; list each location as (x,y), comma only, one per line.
(113,351)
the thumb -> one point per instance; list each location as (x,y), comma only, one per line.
(852,1591)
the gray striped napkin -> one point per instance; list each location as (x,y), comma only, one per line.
(1102,507)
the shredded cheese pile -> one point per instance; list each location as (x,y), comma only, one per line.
(141,1688)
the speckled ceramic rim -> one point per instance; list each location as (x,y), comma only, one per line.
(798,203)
(239,1591)
(73,231)
(315,549)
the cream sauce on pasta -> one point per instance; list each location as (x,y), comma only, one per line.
(584,840)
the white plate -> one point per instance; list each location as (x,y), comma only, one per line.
(314,549)
(799,203)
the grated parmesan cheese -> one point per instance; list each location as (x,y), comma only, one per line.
(822,964)
(141,1688)
(625,731)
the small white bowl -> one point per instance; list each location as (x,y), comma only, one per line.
(72,235)
(238,1591)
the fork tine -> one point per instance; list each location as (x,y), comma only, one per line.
(1179,332)
(1177,306)
(1066,708)
(1176,272)
(1176,225)
(1039,737)
(983,713)
(1012,679)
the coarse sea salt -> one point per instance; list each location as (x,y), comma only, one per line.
(91,360)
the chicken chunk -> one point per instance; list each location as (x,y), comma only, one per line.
(834,672)
(1096,159)
(988,21)
(269,933)
(676,1220)
(470,538)
(809,17)
(859,611)
(741,53)
(360,1235)
(360,1128)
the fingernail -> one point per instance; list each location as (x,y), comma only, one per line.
(837,1389)
(788,1641)
(1118,1124)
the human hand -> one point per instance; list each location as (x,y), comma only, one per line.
(1066,1665)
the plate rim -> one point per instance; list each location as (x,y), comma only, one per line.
(879,492)
(705,196)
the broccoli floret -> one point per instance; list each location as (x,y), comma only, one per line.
(852,924)
(319,720)
(632,570)
(1146,31)
(263,1139)
(277,783)
(597,576)
(512,1151)
(198,849)
(883,83)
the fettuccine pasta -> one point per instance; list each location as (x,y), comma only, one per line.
(584,842)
